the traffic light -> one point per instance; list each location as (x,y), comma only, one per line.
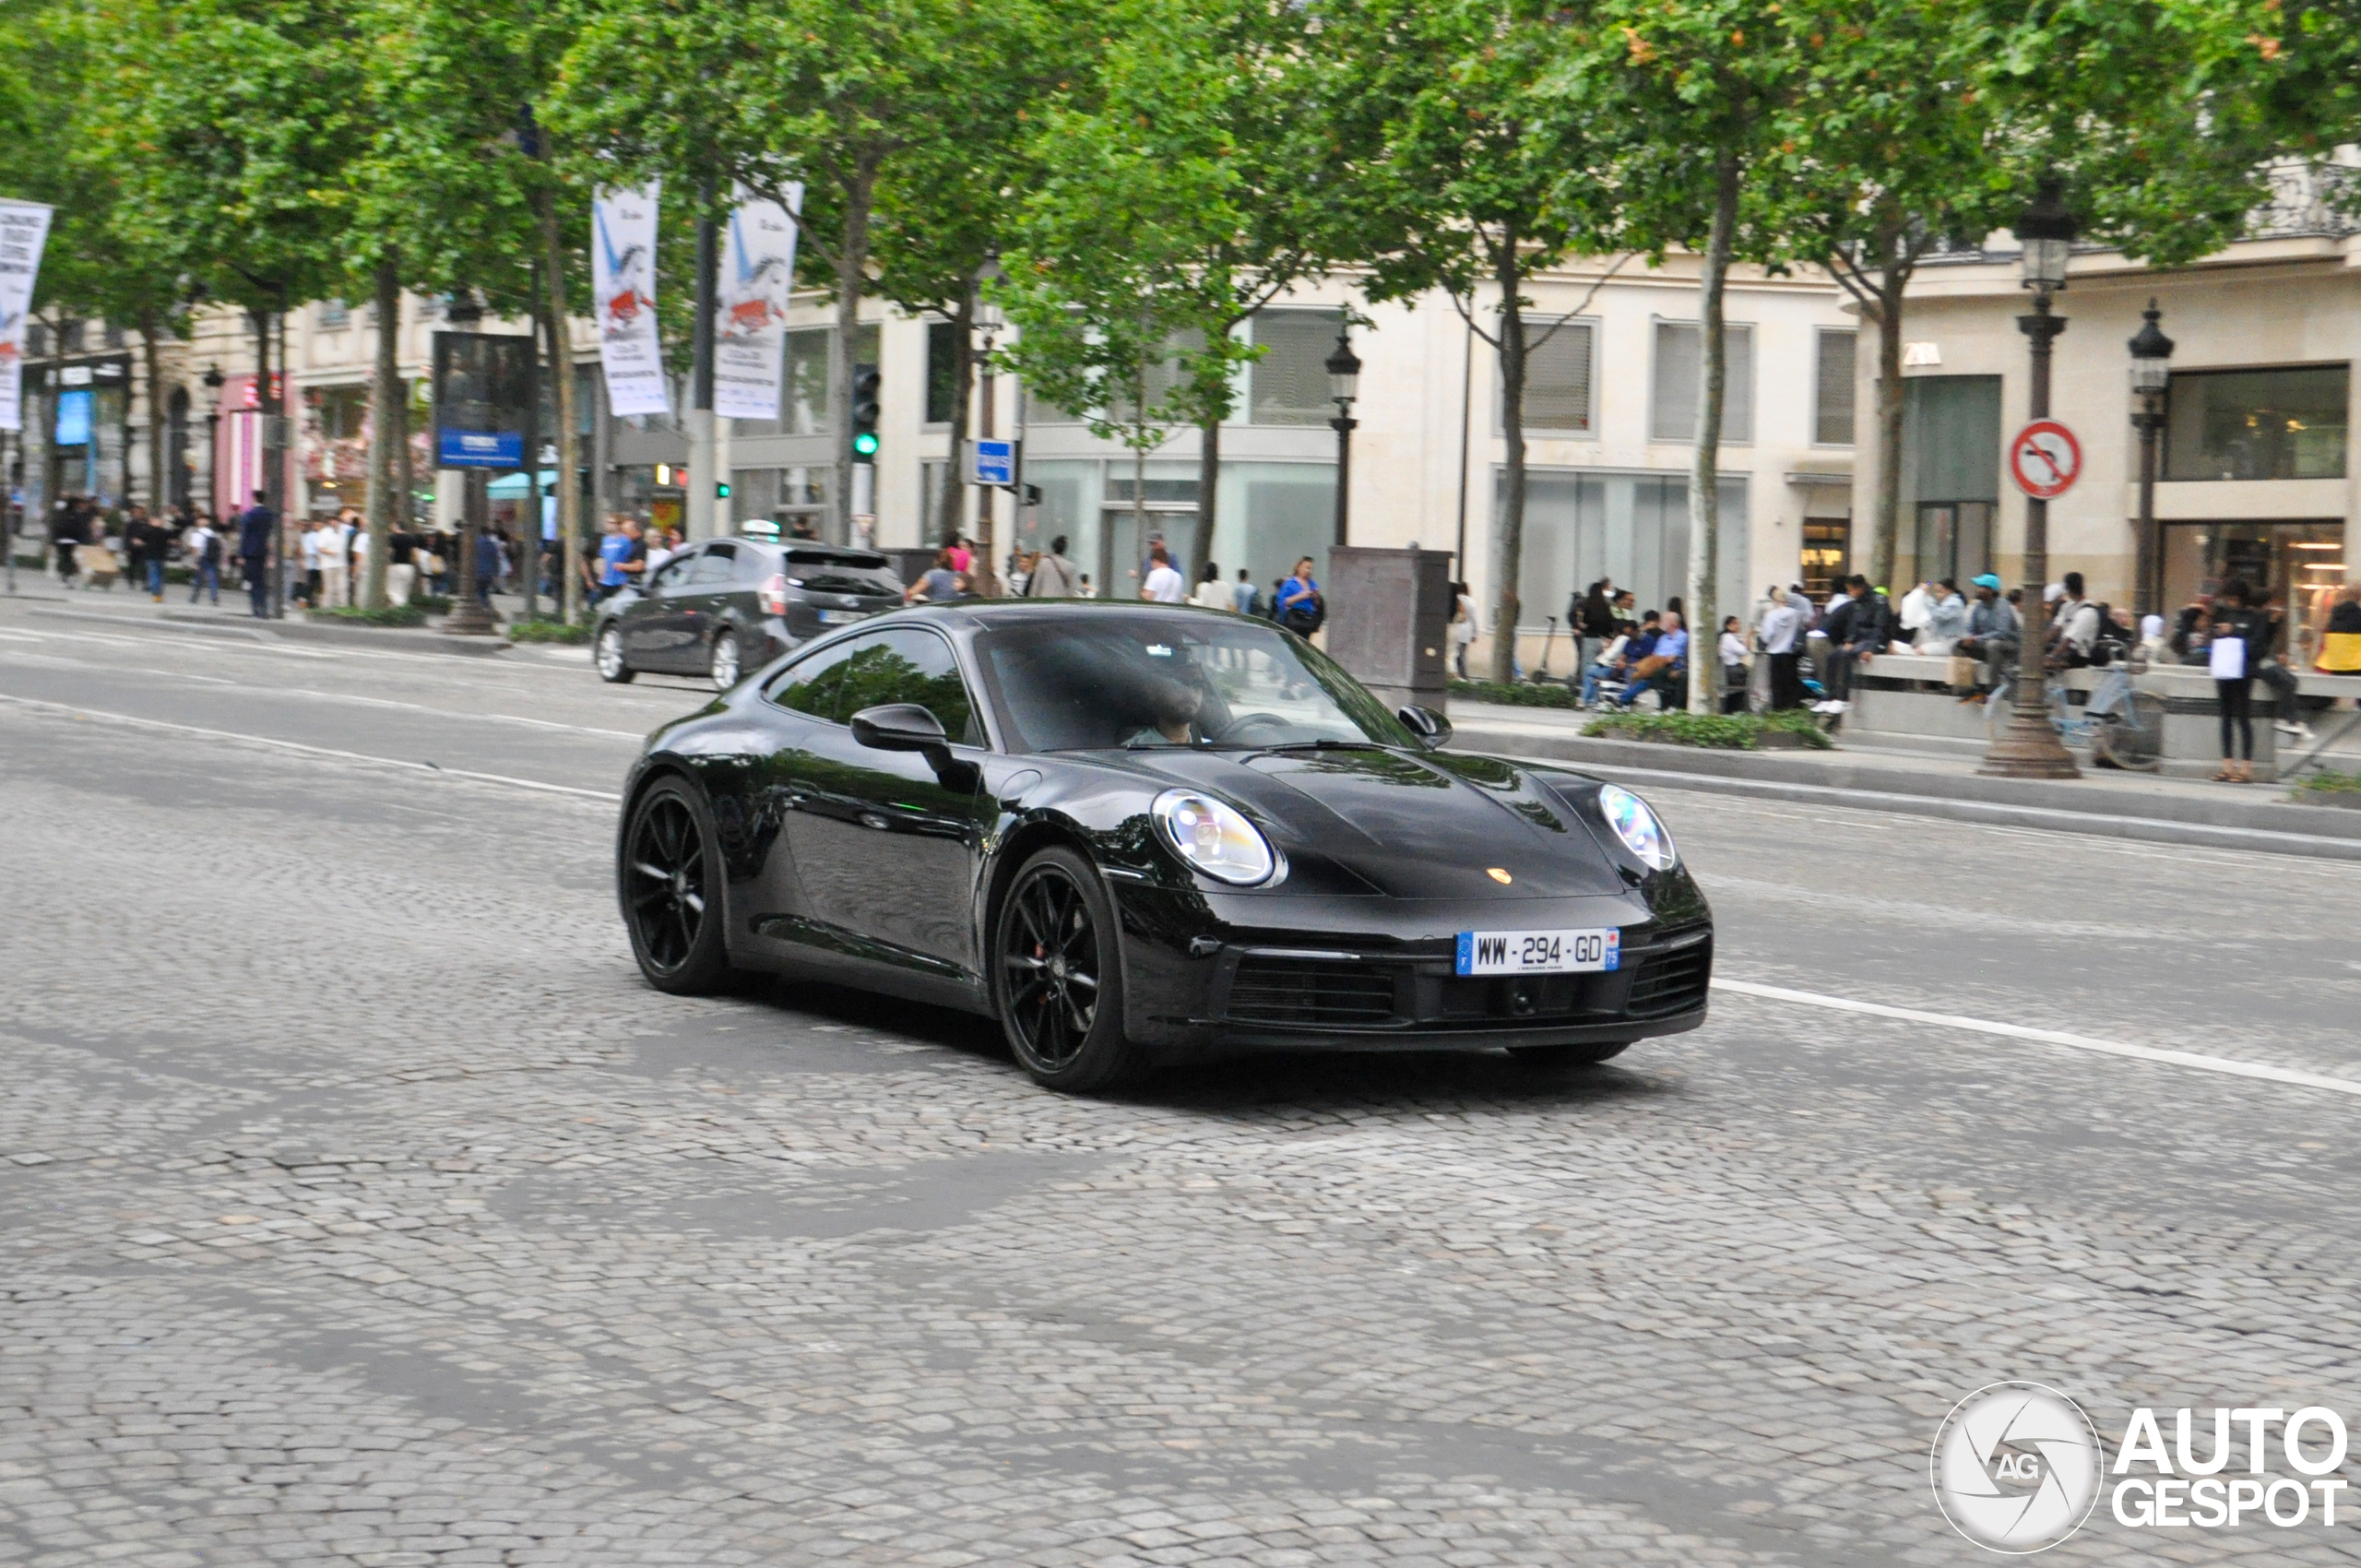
(864,412)
(721,489)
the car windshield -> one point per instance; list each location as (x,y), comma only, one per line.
(1098,682)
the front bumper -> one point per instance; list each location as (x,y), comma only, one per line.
(1398,988)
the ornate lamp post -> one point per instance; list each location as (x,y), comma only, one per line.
(2030,747)
(1344,389)
(991,320)
(468,617)
(2152,375)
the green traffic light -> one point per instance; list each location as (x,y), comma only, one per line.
(864,444)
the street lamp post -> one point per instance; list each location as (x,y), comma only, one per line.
(214,381)
(2030,746)
(467,616)
(1344,388)
(989,320)
(2152,374)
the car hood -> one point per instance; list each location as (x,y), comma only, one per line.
(1411,825)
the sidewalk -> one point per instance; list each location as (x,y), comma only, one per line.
(232,617)
(2123,806)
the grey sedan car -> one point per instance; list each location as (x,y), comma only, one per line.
(726,605)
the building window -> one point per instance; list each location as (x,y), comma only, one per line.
(1951,474)
(332,314)
(69,338)
(2257,424)
(111,335)
(942,370)
(1558,379)
(36,340)
(1631,527)
(1674,414)
(1831,422)
(1289,384)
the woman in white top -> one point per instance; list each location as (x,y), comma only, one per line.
(1463,627)
(1731,651)
(1212,592)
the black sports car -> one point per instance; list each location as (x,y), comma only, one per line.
(1131,831)
(724,607)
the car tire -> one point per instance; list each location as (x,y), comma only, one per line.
(607,653)
(668,878)
(1566,1058)
(724,664)
(1057,976)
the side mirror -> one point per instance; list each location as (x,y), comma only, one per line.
(1431,728)
(900,726)
(906,727)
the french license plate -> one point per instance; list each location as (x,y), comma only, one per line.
(1539,952)
(838,617)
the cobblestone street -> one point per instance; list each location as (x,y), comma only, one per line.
(359,1205)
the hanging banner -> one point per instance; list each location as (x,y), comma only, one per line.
(24,228)
(622,277)
(750,324)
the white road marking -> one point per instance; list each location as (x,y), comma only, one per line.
(308,751)
(2044,1037)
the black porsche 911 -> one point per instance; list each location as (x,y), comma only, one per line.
(1134,831)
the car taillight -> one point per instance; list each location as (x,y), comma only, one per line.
(775,595)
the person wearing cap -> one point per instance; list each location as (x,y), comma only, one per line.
(1994,634)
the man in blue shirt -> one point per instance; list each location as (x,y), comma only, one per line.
(257,525)
(622,557)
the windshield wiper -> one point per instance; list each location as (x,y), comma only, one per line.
(1325,744)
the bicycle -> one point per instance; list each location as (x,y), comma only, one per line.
(2121,726)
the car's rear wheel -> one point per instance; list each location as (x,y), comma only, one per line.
(1056,976)
(723,666)
(1565,1058)
(668,877)
(607,653)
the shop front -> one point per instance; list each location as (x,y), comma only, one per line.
(2299,563)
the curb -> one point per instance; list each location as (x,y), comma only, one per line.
(423,640)
(2272,827)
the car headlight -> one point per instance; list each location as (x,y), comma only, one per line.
(1637,826)
(1214,837)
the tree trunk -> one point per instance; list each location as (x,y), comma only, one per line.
(1704,474)
(1201,552)
(385,431)
(1886,541)
(160,493)
(569,439)
(852,272)
(1507,535)
(948,509)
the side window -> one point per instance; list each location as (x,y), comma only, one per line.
(815,684)
(717,564)
(670,576)
(910,665)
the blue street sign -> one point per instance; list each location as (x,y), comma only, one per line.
(993,462)
(479,449)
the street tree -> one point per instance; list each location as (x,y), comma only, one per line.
(803,92)
(1470,170)
(1704,92)
(1187,185)
(230,128)
(468,187)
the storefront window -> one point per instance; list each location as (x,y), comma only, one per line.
(2300,564)
(2230,424)
(1630,527)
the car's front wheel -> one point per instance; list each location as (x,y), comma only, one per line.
(1057,977)
(669,876)
(1565,1058)
(723,667)
(607,653)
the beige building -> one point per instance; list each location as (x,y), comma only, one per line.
(1609,414)
(2257,477)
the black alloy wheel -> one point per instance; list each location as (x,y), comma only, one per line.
(1566,1058)
(1056,975)
(608,655)
(670,882)
(723,666)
